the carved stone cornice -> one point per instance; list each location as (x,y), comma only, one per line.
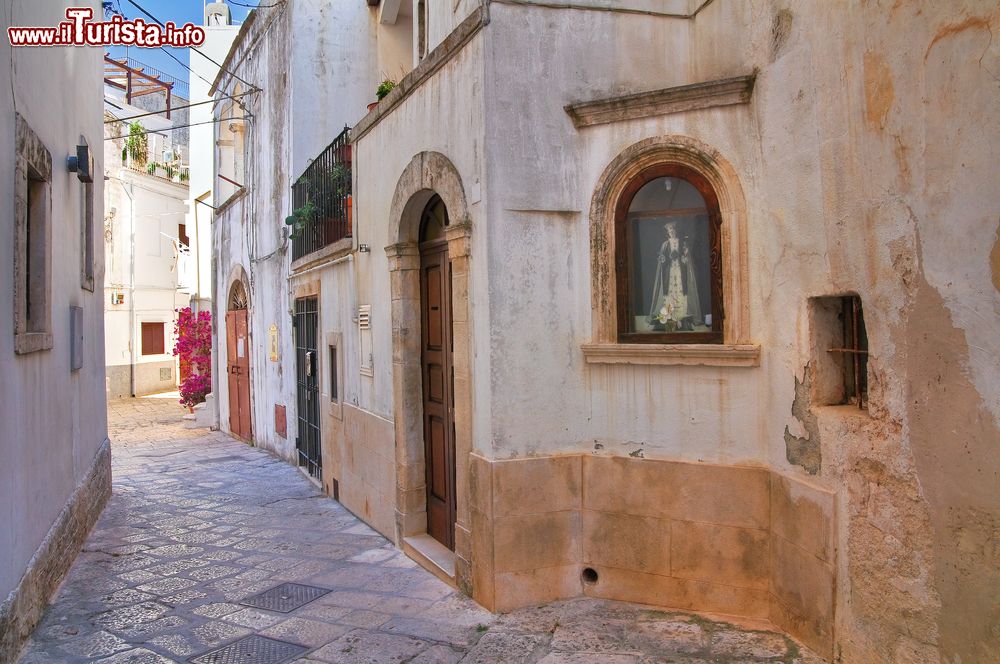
(724,92)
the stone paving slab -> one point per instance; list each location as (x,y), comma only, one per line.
(199,522)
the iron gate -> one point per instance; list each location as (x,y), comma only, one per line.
(307,442)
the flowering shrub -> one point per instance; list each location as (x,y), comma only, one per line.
(194,348)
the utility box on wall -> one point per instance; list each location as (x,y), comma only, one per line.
(280,421)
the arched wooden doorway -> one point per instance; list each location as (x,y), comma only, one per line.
(436,348)
(238,361)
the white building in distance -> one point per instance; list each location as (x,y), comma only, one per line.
(151,263)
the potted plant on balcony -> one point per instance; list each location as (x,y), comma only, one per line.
(383,89)
(300,219)
(136,145)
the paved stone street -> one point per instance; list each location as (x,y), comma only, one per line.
(199,522)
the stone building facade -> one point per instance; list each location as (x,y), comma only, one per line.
(56,471)
(494,368)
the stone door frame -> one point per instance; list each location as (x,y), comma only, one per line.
(429,173)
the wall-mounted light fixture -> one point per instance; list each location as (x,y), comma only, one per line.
(82,163)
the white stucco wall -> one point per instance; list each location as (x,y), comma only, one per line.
(143,263)
(334,70)
(542,174)
(54,419)
(336,62)
(382,155)
(201,150)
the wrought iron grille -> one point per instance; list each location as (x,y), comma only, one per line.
(324,189)
(308,443)
(855,351)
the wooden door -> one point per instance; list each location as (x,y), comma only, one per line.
(438,385)
(238,370)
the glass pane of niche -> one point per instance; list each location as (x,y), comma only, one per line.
(669,233)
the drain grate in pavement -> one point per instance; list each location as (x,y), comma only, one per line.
(253,649)
(284,598)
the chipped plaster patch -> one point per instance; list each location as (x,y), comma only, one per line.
(804,451)
(879,91)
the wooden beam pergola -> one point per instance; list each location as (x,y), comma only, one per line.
(134,81)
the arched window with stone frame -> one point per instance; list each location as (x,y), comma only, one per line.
(668,240)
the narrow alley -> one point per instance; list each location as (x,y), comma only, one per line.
(199,525)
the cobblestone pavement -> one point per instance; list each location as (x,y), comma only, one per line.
(198,522)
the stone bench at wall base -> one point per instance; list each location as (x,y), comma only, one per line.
(742,541)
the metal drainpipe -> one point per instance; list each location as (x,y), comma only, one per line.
(214,304)
(131,284)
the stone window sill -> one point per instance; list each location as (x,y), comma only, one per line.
(327,254)
(708,355)
(32,342)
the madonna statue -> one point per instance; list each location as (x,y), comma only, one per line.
(676,304)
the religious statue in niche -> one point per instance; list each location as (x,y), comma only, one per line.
(675,304)
(668,240)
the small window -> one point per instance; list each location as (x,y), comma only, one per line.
(182,235)
(334,394)
(840,375)
(153,339)
(669,259)
(32,242)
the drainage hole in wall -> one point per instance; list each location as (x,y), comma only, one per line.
(589,575)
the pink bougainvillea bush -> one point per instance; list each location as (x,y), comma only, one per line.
(194,349)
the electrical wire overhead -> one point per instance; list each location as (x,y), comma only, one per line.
(178,108)
(199,52)
(240,4)
(161,131)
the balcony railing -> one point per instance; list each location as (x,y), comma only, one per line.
(326,184)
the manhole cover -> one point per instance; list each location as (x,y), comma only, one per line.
(284,598)
(254,649)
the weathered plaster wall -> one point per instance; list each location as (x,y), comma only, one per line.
(249,237)
(380,158)
(540,239)
(336,72)
(443,18)
(333,73)
(54,419)
(318,66)
(865,157)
